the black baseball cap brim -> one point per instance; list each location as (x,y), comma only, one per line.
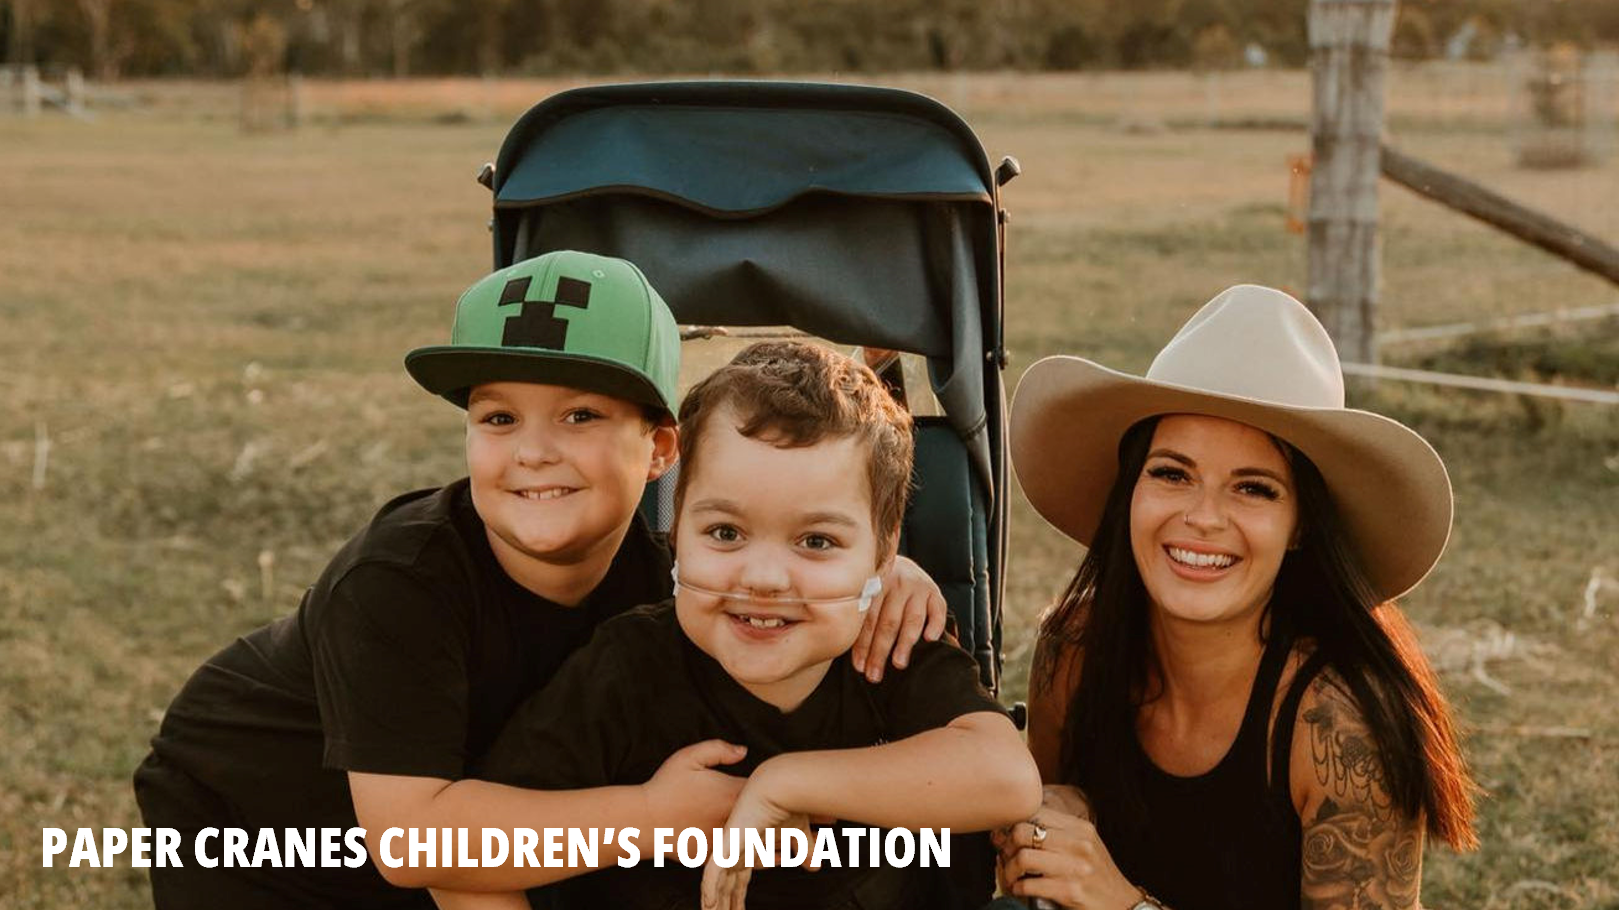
(452,371)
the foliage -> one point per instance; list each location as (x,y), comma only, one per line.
(399,37)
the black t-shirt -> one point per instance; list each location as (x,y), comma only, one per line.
(641,690)
(406,657)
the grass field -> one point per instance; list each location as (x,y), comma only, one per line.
(201,397)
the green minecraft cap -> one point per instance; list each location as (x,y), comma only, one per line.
(564,317)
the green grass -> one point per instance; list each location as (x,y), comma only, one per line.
(209,329)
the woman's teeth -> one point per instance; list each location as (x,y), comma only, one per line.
(1201,559)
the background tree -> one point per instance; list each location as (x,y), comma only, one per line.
(109,38)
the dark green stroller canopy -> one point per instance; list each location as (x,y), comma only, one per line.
(862,215)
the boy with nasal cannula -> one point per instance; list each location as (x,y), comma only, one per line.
(793,485)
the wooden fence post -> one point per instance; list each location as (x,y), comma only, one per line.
(31,90)
(295,101)
(73,96)
(1349,41)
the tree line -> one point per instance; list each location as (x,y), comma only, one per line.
(225,38)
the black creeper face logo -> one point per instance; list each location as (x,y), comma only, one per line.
(538,324)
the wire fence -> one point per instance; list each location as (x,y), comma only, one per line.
(1541,127)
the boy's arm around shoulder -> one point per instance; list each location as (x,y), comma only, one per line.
(958,763)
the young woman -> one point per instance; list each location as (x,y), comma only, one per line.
(1240,713)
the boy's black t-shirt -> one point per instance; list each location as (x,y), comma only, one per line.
(641,690)
(406,657)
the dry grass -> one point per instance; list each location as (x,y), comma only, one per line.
(208,328)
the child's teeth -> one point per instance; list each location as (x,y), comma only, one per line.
(764,623)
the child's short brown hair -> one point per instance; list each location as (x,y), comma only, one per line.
(795,395)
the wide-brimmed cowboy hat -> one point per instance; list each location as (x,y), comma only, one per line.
(1257,356)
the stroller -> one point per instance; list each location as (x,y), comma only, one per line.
(861,215)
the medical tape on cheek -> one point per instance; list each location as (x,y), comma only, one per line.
(868,592)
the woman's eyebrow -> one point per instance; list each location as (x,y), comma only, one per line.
(1178,457)
(1259,471)
(1172,455)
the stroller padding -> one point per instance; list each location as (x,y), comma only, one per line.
(946,531)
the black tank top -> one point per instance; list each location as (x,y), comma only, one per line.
(1227,838)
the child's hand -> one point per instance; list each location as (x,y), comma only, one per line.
(685,790)
(726,887)
(910,607)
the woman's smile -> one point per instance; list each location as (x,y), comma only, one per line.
(1211,518)
(1199,563)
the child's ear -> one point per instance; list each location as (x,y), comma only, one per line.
(665,449)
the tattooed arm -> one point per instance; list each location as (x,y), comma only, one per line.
(1359,851)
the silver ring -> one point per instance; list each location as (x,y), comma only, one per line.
(1040,833)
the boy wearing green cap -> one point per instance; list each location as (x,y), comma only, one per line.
(426,630)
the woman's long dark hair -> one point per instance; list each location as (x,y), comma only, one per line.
(1321,593)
